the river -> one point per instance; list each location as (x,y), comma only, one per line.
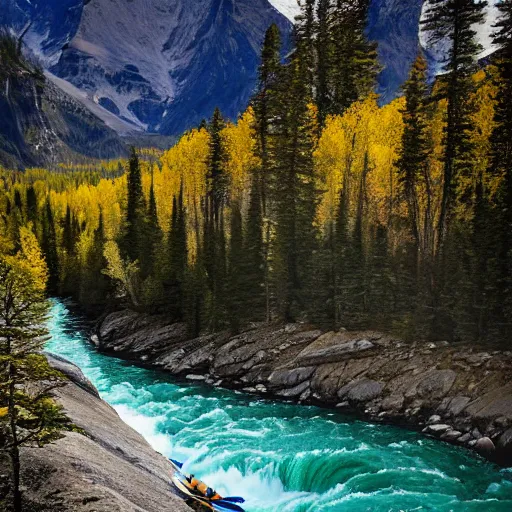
(283,457)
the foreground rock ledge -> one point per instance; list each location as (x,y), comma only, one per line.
(111,469)
(460,394)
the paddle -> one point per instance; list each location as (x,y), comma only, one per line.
(234,499)
(176,463)
(226,505)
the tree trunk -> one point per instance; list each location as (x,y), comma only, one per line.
(14,452)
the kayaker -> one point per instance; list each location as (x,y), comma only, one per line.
(212,495)
(194,482)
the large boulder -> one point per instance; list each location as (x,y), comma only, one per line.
(287,378)
(334,351)
(433,385)
(111,468)
(72,372)
(361,391)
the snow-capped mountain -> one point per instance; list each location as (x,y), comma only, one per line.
(162,66)
(395,25)
(290,8)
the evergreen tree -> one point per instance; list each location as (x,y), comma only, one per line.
(265,105)
(266,111)
(214,248)
(236,279)
(342,255)
(358,262)
(355,64)
(18,204)
(178,257)
(455,21)
(324,53)
(152,234)
(31,204)
(28,415)
(70,270)
(135,212)
(68,241)
(501,165)
(253,263)
(295,194)
(380,297)
(49,248)
(97,296)
(415,144)
(412,169)
(305,35)
(217,179)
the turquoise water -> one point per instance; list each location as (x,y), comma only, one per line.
(284,457)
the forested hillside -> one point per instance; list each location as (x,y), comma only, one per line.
(317,205)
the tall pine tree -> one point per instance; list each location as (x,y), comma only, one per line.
(178,257)
(501,164)
(295,194)
(133,242)
(49,248)
(454,22)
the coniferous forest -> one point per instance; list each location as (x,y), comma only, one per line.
(318,205)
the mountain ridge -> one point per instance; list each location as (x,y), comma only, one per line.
(162,68)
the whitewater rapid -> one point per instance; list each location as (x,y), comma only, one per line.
(284,457)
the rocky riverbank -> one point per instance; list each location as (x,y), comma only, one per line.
(459,394)
(109,469)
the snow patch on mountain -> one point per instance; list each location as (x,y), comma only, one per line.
(290,8)
(438,52)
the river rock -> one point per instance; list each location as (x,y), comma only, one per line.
(333,352)
(437,430)
(72,372)
(393,403)
(476,434)
(485,447)
(434,419)
(290,378)
(451,435)
(295,391)
(463,439)
(195,377)
(457,405)
(435,384)
(361,391)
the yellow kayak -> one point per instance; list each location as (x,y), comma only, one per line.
(193,489)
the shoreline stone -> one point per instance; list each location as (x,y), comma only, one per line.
(461,394)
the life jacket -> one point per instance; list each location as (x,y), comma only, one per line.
(202,488)
(194,482)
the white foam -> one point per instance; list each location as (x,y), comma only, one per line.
(261,489)
(147,427)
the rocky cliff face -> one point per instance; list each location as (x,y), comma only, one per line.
(162,66)
(109,469)
(459,394)
(40,125)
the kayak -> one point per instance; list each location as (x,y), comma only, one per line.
(181,482)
